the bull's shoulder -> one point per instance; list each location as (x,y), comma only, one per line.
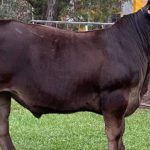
(115,75)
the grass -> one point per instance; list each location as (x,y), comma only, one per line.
(79,131)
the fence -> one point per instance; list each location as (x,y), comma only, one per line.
(80,25)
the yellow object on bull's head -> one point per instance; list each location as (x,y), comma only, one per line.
(138,4)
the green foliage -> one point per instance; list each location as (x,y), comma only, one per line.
(79,10)
(92,10)
(40,9)
(8,10)
(18,10)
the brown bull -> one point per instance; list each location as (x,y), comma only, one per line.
(48,70)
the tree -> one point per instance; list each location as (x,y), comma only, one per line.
(79,10)
(52,9)
(47,9)
(86,10)
(91,10)
(12,9)
(40,8)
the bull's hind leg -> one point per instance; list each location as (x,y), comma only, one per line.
(5,140)
(114,105)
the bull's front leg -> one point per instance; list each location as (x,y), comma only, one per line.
(114,106)
(5,104)
(114,130)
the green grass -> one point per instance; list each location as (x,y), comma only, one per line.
(79,131)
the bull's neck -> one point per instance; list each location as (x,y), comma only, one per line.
(142,27)
(137,26)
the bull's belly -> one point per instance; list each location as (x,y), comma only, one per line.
(44,103)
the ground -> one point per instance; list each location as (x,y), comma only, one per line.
(78,131)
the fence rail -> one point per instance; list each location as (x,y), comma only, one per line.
(67,23)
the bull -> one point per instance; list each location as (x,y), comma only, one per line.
(48,70)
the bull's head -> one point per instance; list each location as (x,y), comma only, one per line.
(146,9)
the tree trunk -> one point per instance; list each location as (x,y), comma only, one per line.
(47,9)
(52,10)
(40,9)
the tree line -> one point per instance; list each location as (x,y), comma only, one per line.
(76,10)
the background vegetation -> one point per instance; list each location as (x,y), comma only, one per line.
(78,10)
(15,9)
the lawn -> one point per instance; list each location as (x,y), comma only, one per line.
(79,131)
